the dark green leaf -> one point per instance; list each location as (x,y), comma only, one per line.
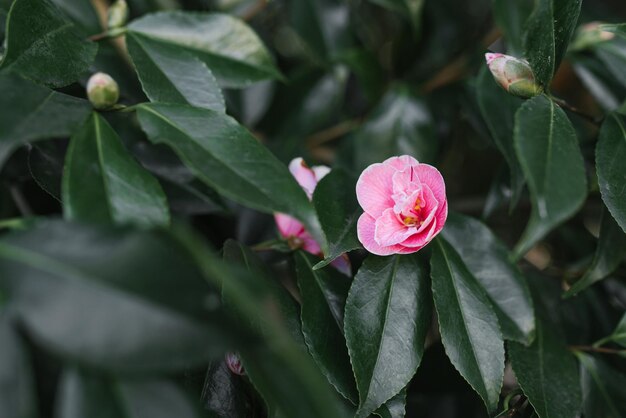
(82,395)
(548,32)
(227,157)
(411,9)
(323,295)
(170,75)
(468,324)
(498,110)
(511,17)
(338,211)
(224,393)
(31,112)
(45,164)
(548,151)
(82,14)
(106,298)
(394,407)
(598,81)
(401,124)
(619,335)
(613,55)
(609,254)
(103,183)
(231,50)
(17,385)
(548,373)
(603,388)
(43,46)
(388,313)
(488,260)
(611,149)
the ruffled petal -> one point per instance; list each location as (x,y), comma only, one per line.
(365,230)
(320,171)
(401,162)
(431,177)
(288,226)
(374,189)
(418,241)
(310,245)
(303,175)
(390,231)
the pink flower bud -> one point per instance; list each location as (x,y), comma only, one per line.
(405,205)
(102,91)
(513,74)
(589,35)
(234,364)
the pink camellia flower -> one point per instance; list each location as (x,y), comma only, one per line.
(405,205)
(234,364)
(292,229)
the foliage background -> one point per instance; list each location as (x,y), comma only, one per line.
(136,254)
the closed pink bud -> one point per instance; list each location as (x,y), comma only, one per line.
(234,364)
(405,205)
(513,74)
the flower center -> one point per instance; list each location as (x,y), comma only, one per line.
(415,214)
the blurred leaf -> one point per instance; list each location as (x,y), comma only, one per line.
(400,124)
(45,163)
(322,24)
(323,293)
(224,393)
(468,324)
(231,50)
(121,312)
(82,14)
(602,387)
(284,375)
(547,373)
(335,201)
(227,157)
(487,259)
(31,113)
(411,9)
(619,334)
(609,254)
(547,34)
(82,395)
(387,316)
(17,384)
(597,80)
(611,149)
(394,407)
(613,55)
(43,46)
(170,75)
(548,151)
(103,183)
(498,109)
(511,17)
(619,29)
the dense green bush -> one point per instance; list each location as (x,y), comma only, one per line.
(164,252)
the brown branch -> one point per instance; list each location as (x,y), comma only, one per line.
(596,349)
(254,10)
(586,116)
(333,132)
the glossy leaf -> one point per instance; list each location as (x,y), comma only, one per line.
(548,32)
(487,259)
(17,395)
(400,124)
(121,312)
(323,295)
(338,211)
(227,157)
(498,109)
(224,393)
(31,113)
(231,50)
(102,182)
(547,373)
(169,75)
(84,395)
(43,46)
(602,387)
(611,149)
(394,407)
(388,312)
(548,151)
(610,252)
(468,324)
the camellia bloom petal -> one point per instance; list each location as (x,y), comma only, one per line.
(404,205)
(292,229)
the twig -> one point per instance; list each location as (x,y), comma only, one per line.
(333,132)
(565,105)
(254,10)
(596,349)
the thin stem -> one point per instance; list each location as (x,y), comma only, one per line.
(596,349)
(588,117)
(333,132)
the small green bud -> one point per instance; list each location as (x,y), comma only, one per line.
(514,75)
(102,91)
(589,35)
(118,14)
